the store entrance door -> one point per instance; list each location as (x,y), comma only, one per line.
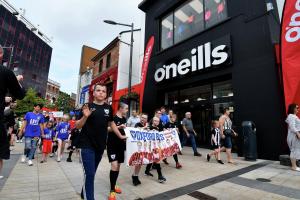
(201,117)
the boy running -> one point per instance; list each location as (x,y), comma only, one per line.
(116,149)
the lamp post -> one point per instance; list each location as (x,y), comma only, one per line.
(131,55)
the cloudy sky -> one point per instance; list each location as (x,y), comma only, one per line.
(73,23)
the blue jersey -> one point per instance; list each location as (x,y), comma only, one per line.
(62,130)
(48,134)
(34,121)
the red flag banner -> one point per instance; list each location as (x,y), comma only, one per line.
(147,56)
(290,51)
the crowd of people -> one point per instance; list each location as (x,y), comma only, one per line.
(96,129)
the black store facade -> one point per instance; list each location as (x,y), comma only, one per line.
(211,54)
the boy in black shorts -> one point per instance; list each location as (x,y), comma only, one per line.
(116,149)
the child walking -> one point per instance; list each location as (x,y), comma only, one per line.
(215,142)
(47,141)
(62,135)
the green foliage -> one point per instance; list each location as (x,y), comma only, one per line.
(26,105)
(63,102)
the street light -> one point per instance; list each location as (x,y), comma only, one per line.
(131,54)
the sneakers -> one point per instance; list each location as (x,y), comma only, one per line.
(208,157)
(118,190)
(42,161)
(221,162)
(297,169)
(161,179)
(51,155)
(165,161)
(69,160)
(135,180)
(197,154)
(23,159)
(148,174)
(58,158)
(178,166)
(1,177)
(29,163)
(112,196)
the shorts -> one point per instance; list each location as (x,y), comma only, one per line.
(228,142)
(116,154)
(214,147)
(62,139)
(47,146)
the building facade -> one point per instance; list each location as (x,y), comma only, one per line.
(212,54)
(26,52)
(85,75)
(111,67)
(52,91)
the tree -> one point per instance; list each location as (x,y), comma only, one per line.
(26,105)
(63,102)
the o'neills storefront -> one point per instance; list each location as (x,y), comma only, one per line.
(211,54)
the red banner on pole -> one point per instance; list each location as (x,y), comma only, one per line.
(147,56)
(290,51)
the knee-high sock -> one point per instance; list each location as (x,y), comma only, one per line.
(113,175)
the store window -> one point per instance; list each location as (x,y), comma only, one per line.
(222,90)
(171,98)
(215,12)
(195,94)
(167,32)
(189,19)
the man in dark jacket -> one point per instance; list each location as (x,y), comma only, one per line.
(9,83)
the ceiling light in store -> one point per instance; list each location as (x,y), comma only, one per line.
(197,6)
(175,102)
(181,16)
(214,97)
(230,94)
(200,99)
(186,101)
(166,23)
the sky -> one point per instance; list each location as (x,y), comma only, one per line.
(74,23)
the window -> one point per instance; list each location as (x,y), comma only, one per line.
(189,19)
(222,90)
(34,76)
(108,60)
(167,32)
(100,66)
(215,12)
(195,94)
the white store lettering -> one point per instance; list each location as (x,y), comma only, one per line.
(204,54)
(293,30)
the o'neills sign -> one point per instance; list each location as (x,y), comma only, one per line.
(290,51)
(198,58)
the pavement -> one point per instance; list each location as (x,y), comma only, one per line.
(198,179)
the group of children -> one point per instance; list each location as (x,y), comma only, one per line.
(52,135)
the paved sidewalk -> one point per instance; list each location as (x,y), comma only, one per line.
(198,179)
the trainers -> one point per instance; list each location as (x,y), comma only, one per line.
(208,157)
(30,163)
(197,154)
(112,196)
(118,190)
(135,180)
(165,161)
(23,159)
(51,155)
(148,174)
(42,161)
(1,177)
(180,153)
(178,166)
(58,159)
(221,162)
(161,179)
(69,160)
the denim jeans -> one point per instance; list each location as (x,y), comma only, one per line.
(192,140)
(90,160)
(30,146)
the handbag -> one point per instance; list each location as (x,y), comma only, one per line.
(228,132)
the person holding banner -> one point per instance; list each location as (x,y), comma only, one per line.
(93,121)
(116,149)
(143,124)
(173,124)
(161,179)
